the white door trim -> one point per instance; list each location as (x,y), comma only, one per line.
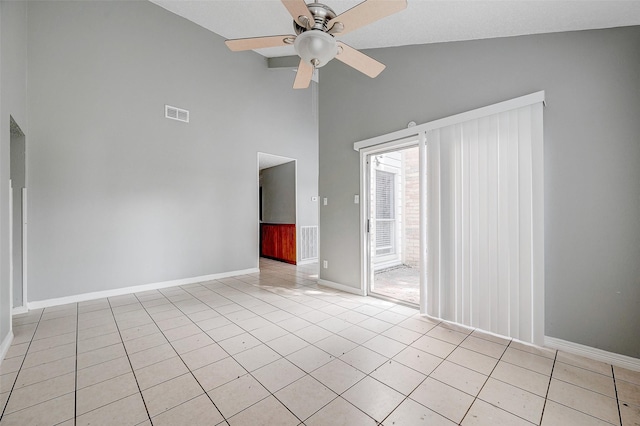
(422,170)
(365,213)
(11,283)
(24,248)
(414,132)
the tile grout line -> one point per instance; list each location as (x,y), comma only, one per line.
(567,406)
(129,360)
(261,342)
(447,359)
(475,398)
(249,332)
(178,355)
(334,357)
(546,396)
(369,315)
(254,285)
(524,368)
(111,378)
(615,388)
(338,395)
(369,374)
(4,409)
(582,387)
(41,381)
(225,316)
(289,302)
(426,375)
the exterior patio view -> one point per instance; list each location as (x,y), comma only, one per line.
(395,225)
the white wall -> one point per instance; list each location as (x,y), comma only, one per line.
(13,74)
(121,196)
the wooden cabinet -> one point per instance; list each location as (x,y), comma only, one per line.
(278,241)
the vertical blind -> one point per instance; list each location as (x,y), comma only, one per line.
(485,248)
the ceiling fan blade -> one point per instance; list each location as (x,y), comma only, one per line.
(240,44)
(298,8)
(365,13)
(358,60)
(303,76)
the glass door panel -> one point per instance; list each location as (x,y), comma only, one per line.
(394,224)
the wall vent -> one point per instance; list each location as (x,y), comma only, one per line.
(308,242)
(176,113)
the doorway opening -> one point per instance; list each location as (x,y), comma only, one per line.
(277,207)
(18,203)
(394,228)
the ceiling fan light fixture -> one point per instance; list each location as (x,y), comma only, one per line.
(315,24)
(316,47)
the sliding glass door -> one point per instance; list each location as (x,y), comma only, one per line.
(453,217)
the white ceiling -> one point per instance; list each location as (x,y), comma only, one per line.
(422,22)
(268,160)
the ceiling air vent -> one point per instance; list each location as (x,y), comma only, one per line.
(176,113)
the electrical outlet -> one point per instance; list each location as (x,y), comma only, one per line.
(325,264)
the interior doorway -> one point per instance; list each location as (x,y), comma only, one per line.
(277,207)
(17,176)
(393,196)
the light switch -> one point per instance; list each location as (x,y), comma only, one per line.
(356,199)
(325,201)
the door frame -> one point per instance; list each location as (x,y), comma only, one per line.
(366,256)
(413,132)
(11,252)
(25,307)
(285,159)
(16,131)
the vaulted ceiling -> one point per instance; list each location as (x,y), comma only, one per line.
(421,22)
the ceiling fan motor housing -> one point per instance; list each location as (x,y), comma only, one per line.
(322,14)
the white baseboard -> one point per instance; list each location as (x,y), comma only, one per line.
(4,347)
(135,289)
(341,287)
(307,262)
(593,353)
(19,310)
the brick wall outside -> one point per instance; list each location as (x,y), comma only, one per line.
(411,204)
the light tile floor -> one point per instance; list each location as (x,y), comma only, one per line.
(276,349)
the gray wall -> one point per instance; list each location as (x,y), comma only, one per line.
(13,75)
(119,195)
(279,193)
(592,159)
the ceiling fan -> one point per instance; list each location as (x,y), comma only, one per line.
(316,25)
